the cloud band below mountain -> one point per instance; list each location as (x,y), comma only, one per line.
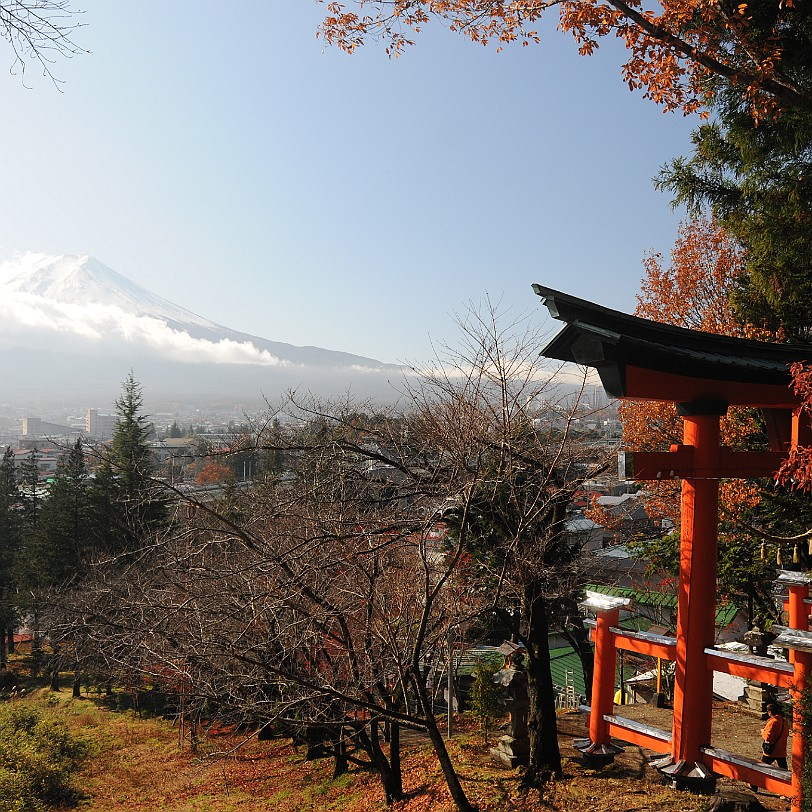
(106,325)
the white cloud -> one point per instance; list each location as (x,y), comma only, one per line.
(22,314)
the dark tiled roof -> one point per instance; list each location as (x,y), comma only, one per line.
(608,340)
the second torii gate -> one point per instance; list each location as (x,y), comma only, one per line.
(703,374)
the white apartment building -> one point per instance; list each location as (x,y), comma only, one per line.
(99,426)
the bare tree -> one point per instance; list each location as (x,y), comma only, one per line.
(523,464)
(318,597)
(309,601)
(39,31)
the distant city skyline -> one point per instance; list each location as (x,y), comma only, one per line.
(226,160)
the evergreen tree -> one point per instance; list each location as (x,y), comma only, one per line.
(124,496)
(52,553)
(64,524)
(756,176)
(9,546)
(31,491)
(485,697)
(30,500)
(130,455)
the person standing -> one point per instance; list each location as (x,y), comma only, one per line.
(775,734)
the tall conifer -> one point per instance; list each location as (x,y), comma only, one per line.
(125,496)
(65,522)
(9,545)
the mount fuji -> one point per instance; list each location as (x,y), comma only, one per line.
(71,324)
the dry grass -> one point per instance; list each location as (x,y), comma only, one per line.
(140,768)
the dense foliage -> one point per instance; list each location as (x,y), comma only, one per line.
(39,761)
(757,180)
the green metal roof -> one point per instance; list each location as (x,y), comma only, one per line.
(639,596)
(725,613)
(465,662)
(563,660)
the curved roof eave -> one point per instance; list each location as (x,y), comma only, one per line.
(643,359)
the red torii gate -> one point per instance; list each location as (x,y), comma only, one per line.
(703,374)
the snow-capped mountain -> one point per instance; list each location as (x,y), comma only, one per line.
(83,279)
(77,307)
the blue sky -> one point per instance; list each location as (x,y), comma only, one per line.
(221,156)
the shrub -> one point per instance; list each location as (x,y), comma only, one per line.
(39,759)
(485,696)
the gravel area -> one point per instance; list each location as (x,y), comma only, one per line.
(734,728)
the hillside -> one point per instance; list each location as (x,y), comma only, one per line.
(140,768)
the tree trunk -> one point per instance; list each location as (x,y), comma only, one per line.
(392,789)
(394,751)
(54,686)
(10,641)
(36,649)
(452,779)
(193,740)
(340,755)
(449,773)
(545,757)
(77,685)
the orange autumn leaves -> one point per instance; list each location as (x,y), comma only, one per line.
(693,291)
(675,46)
(796,472)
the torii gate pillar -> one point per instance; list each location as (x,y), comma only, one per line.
(696,607)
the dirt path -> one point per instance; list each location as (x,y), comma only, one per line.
(733,728)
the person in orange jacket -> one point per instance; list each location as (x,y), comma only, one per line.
(775,734)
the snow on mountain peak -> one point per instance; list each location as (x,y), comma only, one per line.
(76,295)
(81,279)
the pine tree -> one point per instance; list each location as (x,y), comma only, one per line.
(30,499)
(31,491)
(756,177)
(130,455)
(9,546)
(124,497)
(63,527)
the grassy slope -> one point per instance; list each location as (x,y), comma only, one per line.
(140,768)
